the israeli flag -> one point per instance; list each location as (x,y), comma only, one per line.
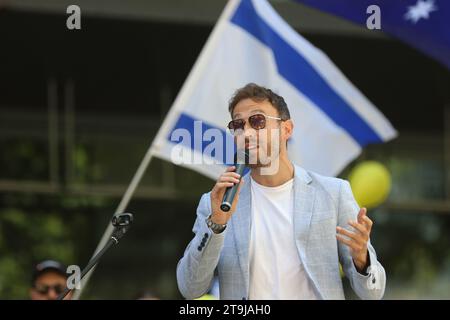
(333,120)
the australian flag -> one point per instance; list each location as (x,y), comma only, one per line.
(423,24)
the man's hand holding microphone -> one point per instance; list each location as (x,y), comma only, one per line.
(225,193)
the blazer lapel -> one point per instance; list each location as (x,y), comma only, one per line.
(304,195)
(241,222)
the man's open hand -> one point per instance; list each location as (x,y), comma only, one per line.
(357,239)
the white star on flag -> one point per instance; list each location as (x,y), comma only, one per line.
(421,9)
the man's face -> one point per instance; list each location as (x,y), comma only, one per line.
(264,145)
(48,286)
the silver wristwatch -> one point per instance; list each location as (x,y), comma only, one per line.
(215,227)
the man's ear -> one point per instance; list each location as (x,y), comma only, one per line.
(288,128)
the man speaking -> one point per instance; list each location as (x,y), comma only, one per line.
(288,230)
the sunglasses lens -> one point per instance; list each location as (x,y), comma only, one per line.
(236,125)
(46,289)
(257,121)
(58,289)
(43,289)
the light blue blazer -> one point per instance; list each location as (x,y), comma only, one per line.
(321,204)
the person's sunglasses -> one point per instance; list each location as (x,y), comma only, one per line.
(45,289)
(256,121)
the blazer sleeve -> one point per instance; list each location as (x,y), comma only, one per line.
(195,270)
(372,285)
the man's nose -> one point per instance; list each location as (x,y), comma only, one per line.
(249,131)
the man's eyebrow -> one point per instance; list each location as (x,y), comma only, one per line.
(251,112)
(257,111)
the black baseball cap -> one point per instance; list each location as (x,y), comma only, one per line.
(48,265)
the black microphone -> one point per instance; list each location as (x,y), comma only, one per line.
(240,160)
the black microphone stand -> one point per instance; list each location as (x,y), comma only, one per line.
(121,223)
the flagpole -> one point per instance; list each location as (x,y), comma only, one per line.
(121,208)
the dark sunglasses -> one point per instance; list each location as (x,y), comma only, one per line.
(256,121)
(44,289)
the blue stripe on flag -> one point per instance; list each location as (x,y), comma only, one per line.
(296,70)
(187,122)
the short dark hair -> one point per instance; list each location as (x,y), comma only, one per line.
(258,93)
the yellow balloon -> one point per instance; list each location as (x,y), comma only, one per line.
(371,183)
(207,297)
(341,271)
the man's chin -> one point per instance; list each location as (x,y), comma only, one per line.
(255,160)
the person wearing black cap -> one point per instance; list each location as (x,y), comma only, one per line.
(49,280)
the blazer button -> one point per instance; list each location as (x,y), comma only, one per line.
(199,248)
(206,236)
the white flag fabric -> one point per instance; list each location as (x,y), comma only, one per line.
(333,120)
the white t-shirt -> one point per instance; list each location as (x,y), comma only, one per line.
(276,271)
